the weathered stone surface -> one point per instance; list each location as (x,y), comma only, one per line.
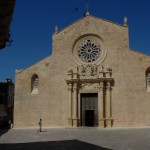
(129,99)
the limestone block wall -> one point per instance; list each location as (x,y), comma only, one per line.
(130,100)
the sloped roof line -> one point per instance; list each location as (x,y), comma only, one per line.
(90,16)
(136,51)
(21,70)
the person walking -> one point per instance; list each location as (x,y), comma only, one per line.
(40,125)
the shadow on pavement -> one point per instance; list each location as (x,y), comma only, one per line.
(3,131)
(52,145)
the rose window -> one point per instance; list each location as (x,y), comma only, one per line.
(89,51)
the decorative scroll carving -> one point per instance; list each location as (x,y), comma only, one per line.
(91,79)
(88,71)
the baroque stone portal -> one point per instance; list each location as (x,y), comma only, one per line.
(82,84)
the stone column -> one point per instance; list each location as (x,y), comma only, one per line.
(108,105)
(74,106)
(101,106)
(101,74)
(70,104)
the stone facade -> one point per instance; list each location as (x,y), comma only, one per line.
(91,72)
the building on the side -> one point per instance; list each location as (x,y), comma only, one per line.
(92,78)
(6,103)
(6,13)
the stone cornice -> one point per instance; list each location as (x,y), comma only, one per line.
(98,80)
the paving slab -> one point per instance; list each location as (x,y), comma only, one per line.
(76,138)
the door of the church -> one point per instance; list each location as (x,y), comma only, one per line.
(89,118)
(89,109)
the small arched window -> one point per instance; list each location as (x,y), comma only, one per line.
(34,84)
(148,79)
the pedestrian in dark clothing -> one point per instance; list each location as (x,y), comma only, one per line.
(40,125)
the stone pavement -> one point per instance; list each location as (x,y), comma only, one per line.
(76,139)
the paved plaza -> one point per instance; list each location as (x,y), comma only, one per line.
(76,139)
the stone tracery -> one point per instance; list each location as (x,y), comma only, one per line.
(89,50)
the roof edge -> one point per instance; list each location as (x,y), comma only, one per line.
(139,52)
(55,33)
(21,70)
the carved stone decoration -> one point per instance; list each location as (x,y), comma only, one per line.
(90,87)
(90,78)
(89,50)
(125,21)
(82,70)
(88,71)
(56,29)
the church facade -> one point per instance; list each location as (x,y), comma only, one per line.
(92,79)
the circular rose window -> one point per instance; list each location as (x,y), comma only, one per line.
(89,51)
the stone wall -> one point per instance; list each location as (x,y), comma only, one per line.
(130,100)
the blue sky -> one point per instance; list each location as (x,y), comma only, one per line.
(34,21)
